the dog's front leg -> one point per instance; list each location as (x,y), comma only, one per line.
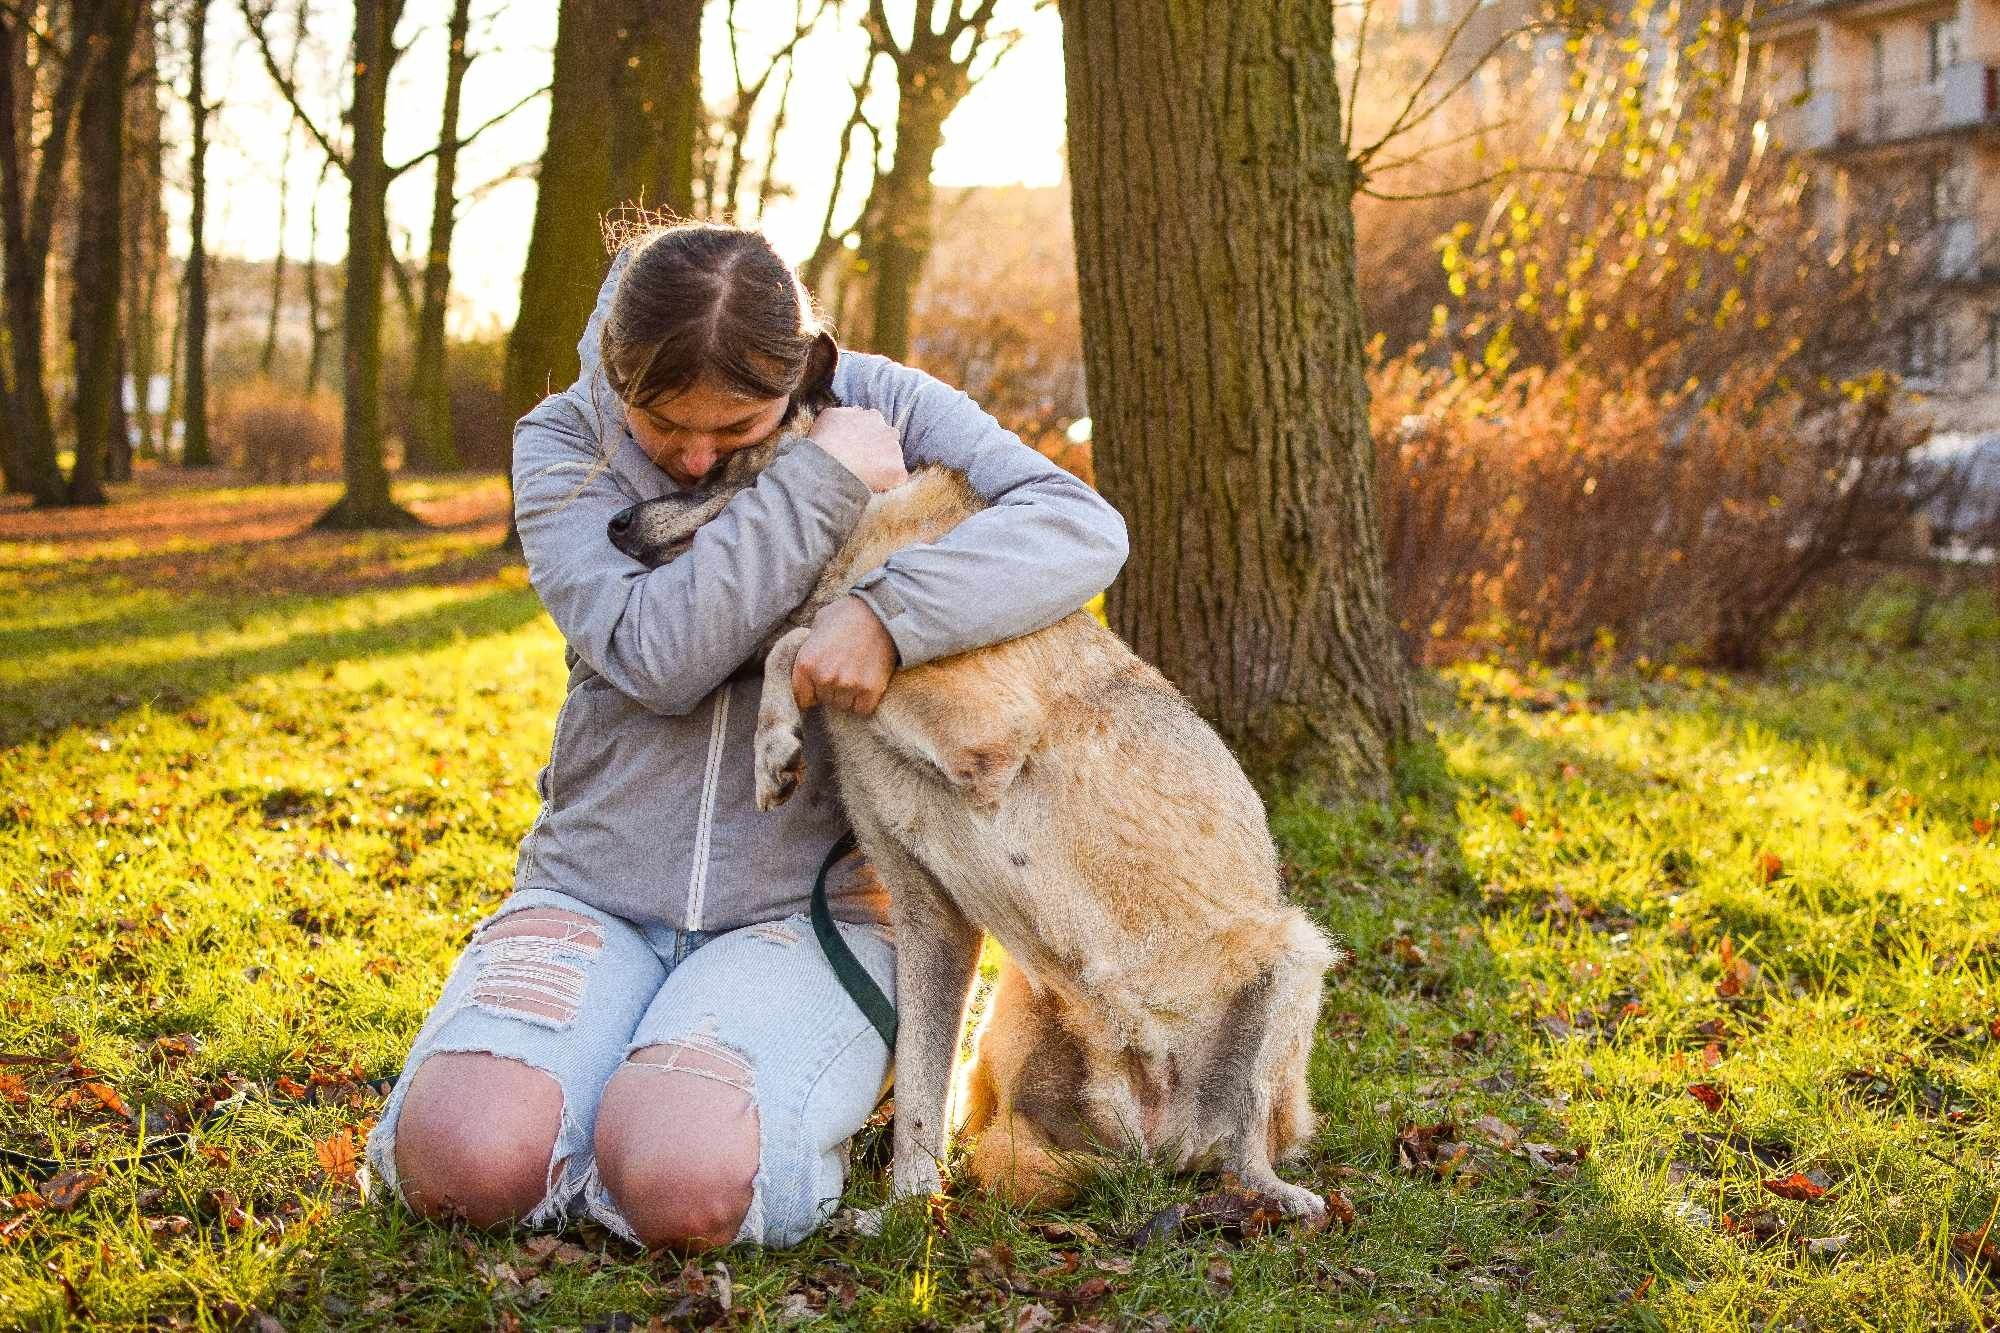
(781,745)
(937,953)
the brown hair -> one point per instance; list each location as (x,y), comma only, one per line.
(703,300)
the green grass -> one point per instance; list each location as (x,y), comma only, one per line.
(257,790)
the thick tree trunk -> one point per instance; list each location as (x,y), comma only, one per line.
(98,264)
(366,502)
(27,214)
(1223,352)
(619,132)
(195,451)
(432,447)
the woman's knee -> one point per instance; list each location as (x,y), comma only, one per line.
(475,1138)
(678,1143)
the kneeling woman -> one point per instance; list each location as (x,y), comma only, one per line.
(647,1032)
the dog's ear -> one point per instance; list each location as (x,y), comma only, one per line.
(815,390)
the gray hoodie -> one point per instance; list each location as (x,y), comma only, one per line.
(648,809)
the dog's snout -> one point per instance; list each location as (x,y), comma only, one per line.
(621,524)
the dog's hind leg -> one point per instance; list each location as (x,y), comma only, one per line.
(780,740)
(1265,1037)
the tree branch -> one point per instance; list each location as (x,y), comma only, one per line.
(465,140)
(286,88)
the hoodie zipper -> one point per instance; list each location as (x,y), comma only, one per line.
(718,728)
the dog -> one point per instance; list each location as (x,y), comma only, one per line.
(1056,792)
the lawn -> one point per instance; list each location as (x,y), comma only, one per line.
(1673,1003)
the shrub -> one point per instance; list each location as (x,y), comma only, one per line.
(1557,513)
(275,432)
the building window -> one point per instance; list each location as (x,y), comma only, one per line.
(1943,47)
(1923,349)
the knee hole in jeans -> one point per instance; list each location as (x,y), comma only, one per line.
(529,964)
(678,1157)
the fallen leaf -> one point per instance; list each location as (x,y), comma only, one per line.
(172,1225)
(1978,1247)
(65,1191)
(1034,1318)
(1339,1209)
(1221,1273)
(1797,1186)
(1496,1131)
(13,1089)
(1707,1094)
(107,1097)
(1769,865)
(1825,1245)
(337,1157)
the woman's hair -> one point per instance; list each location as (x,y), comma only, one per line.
(703,300)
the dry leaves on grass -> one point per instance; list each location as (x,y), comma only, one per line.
(1235,1215)
(338,1157)
(1798,1186)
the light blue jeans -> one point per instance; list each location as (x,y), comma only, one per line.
(764,994)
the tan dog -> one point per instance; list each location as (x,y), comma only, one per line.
(1055,792)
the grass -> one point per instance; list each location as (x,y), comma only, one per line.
(257,788)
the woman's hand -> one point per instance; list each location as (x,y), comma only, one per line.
(865,443)
(847,660)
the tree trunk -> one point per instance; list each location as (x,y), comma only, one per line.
(366,502)
(147,226)
(27,214)
(195,450)
(1223,353)
(315,321)
(897,236)
(432,447)
(618,133)
(109,25)
(118,451)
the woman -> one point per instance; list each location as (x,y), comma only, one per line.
(647,1032)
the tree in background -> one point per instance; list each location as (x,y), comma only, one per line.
(1225,368)
(146,238)
(431,446)
(622,118)
(31,175)
(111,27)
(874,284)
(195,450)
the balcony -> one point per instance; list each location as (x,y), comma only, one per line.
(1966,96)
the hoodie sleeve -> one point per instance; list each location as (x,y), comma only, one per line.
(666,637)
(1044,547)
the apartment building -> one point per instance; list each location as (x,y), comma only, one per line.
(1894,98)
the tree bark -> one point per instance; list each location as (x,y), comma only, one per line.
(432,446)
(366,502)
(195,451)
(619,132)
(27,214)
(147,226)
(110,26)
(1223,354)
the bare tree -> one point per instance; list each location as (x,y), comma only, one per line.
(269,355)
(31,175)
(110,26)
(366,502)
(431,446)
(195,450)
(934,68)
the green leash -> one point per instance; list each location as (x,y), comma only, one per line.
(853,977)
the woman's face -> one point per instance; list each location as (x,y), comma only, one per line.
(689,433)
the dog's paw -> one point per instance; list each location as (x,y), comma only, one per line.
(863,1221)
(781,765)
(1297,1201)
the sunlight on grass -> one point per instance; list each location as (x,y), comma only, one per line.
(250,816)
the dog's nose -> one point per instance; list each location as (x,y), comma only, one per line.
(620,524)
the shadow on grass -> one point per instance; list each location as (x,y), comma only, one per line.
(38,706)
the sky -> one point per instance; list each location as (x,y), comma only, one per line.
(1009,130)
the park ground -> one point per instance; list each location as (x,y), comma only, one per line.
(1674,1001)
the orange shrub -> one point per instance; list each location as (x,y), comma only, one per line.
(274,432)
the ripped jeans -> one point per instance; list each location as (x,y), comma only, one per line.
(761,1000)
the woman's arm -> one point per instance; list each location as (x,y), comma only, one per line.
(1046,544)
(668,636)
